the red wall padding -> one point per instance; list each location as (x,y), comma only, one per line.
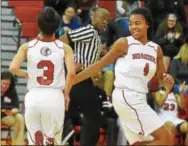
(29,29)
(26,3)
(27,14)
(109,5)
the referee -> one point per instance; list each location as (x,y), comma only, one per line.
(86,43)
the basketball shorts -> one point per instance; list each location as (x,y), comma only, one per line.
(137,118)
(44,113)
(174,120)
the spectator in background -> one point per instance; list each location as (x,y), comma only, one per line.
(170,37)
(124,7)
(161,8)
(179,65)
(10,114)
(123,10)
(58,5)
(83,8)
(69,21)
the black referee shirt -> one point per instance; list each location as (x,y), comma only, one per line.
(85,42)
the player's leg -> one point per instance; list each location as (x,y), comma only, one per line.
(171,127)
(121,139)
(135,112)
(32,119)
(183,128)
(52,117)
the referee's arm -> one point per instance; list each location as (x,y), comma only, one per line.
(83,34)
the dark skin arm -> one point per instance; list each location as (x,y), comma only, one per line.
(119,48)
(160,98)
(166,80)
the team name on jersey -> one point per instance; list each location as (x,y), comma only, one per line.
(144,56)
(172,99)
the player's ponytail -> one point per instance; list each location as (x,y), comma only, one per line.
(48,21)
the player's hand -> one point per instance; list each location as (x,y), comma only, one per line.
(182,86)
(67,101)
(177,35)
(168,82)
(79,11)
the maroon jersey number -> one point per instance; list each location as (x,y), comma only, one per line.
(146,69)
(169,107)
(48,73)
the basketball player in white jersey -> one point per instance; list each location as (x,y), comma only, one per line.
(45,102)
(167,106)
(137,60)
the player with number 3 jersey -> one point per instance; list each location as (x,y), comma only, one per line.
(48,95)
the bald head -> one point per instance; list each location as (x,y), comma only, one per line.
(99,18)
(99,10)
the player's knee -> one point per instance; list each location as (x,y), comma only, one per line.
(170,126)
(184,127)
(19,118)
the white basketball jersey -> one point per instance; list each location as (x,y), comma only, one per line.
(45,64)
(134,70)
(169,108)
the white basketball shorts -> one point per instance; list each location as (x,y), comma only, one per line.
(44,113)
(175,120)
(137,118)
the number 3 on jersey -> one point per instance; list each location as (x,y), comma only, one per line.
(48,73)
(146,69)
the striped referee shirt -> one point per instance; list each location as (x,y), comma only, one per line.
(86,45)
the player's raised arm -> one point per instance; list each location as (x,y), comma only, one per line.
(164,78)
(70,65)
(118,48)
(18,60)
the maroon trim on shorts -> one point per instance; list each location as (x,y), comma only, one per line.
(142,133)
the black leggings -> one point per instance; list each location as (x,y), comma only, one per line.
(84,95)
